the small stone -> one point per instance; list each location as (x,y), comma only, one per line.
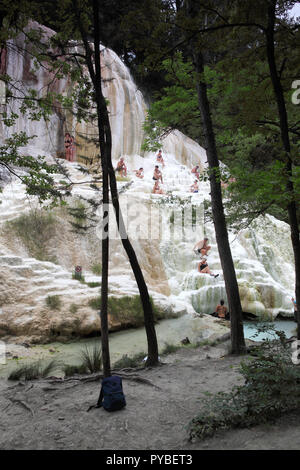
(61,418)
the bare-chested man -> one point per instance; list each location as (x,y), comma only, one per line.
(195,171)
(202,247)
(194,188)
(121,167)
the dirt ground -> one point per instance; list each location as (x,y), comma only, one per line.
(45,414)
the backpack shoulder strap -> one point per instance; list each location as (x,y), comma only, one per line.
(100,399)
(99,402)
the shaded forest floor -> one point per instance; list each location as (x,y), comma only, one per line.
(52,414)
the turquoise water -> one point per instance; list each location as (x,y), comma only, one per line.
(251,329)
(134,341)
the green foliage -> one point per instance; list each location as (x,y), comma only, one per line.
(82,217)
(78,277)
(130,361)
(73,308)
(97,269)
(70,370)
(175,107)
(37,177)
(35,229)
(94,284)
(35,370)
(92,358)
(170,348)
(127,309)
(271,388)
(53,302)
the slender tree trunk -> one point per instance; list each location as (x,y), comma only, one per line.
(109,175)
(231,285)
(105,146)
(152,358)
(284,130)
(237,333)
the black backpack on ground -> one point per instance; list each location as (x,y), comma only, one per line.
(111,394)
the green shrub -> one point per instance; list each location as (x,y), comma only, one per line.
(78,277)
(94,284)
(70,370)
(271,388)
(170,348)
(53,302)
(127,361)
(35,370)
(35,229)
(97,269)
(73,308)
(127,309)
(92,358)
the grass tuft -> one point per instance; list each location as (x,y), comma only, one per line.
(33,371)
(53,302)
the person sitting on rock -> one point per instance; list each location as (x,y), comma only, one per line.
(139,173)
(221,310)
(157,175)
(195,171)
(194,188)
(121,167)
(157,189)
(159,158)
(204,269)
(202,247)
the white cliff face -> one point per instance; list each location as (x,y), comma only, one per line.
(163,236)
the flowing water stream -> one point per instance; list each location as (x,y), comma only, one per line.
(132,341)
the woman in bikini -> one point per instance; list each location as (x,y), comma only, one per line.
(68,146)
(159,158)
(204,269)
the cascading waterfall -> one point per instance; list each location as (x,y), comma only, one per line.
(265,275)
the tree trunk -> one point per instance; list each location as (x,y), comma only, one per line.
(152,358)
(105,148)
(284,131)
(237,333)
(109,175)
